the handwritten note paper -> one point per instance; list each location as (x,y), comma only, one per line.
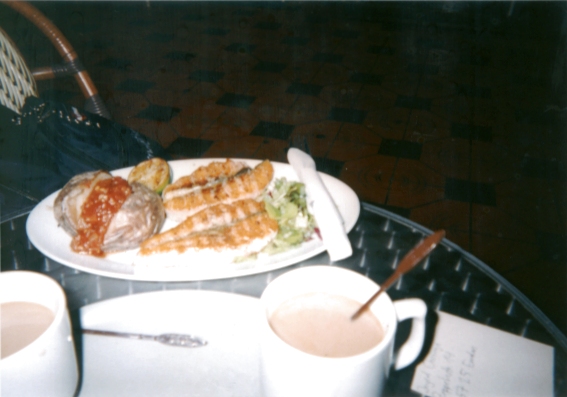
(468,359)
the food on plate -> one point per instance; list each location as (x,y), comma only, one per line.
(216,245)
(153,173)
(140,217)
(222,212)
(203,176)
(69,201)
(286,202)
(104,214)
(210,217)
(223,189)
(221,228)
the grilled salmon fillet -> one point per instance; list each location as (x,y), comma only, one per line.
(210,217)
(205,175)
(239,186)
(217,245)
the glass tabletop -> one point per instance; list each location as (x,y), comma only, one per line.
(450,280)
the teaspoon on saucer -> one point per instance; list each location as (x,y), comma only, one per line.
(182,340)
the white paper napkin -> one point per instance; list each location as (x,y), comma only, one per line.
(329,220)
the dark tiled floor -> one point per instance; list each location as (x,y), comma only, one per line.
(451,114)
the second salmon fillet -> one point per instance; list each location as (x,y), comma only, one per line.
(240,186)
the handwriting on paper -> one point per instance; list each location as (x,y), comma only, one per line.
(467,359)
(446,373)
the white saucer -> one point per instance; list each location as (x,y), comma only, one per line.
(227,366)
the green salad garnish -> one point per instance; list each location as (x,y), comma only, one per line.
(287,204)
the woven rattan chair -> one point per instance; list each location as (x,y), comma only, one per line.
(17,82)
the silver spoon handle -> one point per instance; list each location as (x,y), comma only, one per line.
(182,340)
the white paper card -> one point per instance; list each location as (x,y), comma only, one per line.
(468,359)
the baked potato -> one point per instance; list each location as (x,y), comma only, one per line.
(105,214)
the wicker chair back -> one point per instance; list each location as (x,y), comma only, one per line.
(16,80)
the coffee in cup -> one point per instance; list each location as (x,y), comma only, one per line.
(309,345)
(38,353)
(320,323)
(21,323)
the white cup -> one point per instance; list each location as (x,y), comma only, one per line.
(48,365)
(287,371)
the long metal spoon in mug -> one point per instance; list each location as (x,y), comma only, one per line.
(409,261)
(182,340)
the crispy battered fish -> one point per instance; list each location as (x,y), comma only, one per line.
(205,175)
(236,187)
(210,217)
(216,245)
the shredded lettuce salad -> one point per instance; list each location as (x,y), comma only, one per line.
(286,202)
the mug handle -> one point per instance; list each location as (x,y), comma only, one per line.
(416,310)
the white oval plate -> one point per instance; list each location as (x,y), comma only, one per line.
(227,366)
(55,243)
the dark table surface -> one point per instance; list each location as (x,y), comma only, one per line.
(450,280)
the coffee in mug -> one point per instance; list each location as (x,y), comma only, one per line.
(22,323)
(38,353)
(320,323)
(309,346)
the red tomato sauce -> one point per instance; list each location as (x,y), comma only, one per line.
(98,210)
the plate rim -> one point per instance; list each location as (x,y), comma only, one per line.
(83,310)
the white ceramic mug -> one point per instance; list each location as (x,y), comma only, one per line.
(48,365)
(287,371)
